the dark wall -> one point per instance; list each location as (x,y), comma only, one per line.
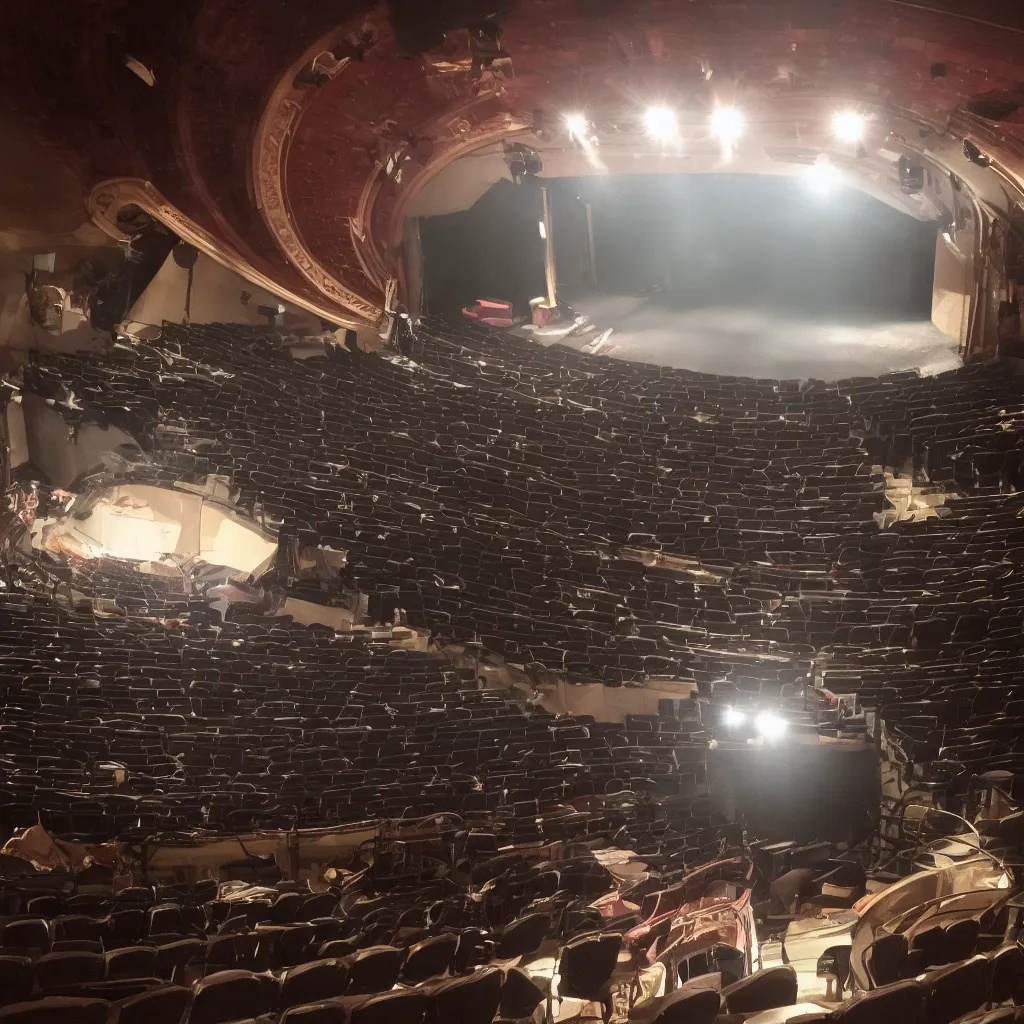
(729,239)
(756,240)
(492,250)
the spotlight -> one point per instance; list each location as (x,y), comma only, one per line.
(727,124)
(770,726)
(660,123)
(577,125)
(733,716)
(848,126)
(822,175)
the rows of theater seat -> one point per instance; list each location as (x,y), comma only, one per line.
(209,954)
(118,728)
(488,485)
(152,957)
(610,520)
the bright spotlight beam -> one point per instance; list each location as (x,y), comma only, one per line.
(770,727)
(577,125)
(660,123)
(733,716)
(727,124)
(848,126)
(823,176)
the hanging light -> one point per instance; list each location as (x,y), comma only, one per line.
(577,125)
(849,126)
(660,123)
(770,726)
(727,124)
(823,176)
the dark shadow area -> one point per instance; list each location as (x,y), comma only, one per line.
(493,249)
(751,242)
(800,792)
(696,241)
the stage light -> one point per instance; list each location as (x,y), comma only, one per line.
(823,176)
(660,123)
(770,726)
(733,716)
(727,124)
(577,125)
(848,126)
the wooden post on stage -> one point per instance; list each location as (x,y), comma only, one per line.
(549,251)
(591,252)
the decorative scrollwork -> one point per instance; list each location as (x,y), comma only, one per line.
(280,116)
(109,197)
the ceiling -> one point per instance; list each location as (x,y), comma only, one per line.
(291,141)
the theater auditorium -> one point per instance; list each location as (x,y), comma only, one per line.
(512,512)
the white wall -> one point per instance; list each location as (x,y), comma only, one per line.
(951,295)
(613,703)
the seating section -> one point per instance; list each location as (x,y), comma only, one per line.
(557,512)
(235,970)
(534,509)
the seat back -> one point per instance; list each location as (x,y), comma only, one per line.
(687,1006)
(473,999)
(430,958)
(960,940)
(55,970)
(519,995)
(163,1005)
(231,995)
(886,959)
(957,989)
(313,982)
(374,969)
(131,962)
(15,979)
(56,1010)
(28,933)
(173,957)
(930,942)
(1006,979)
(900,1003)
(406,1007)
(523,936)
(337,948)
(765,990)
(586,965)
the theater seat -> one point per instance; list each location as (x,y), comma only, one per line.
(901,1003)
(685,1006)
(764,990)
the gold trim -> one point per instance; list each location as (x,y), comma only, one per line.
(280,116)
(460,147)
(108,197)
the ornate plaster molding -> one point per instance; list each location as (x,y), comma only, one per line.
(108,197)
(472,137)
(280,116)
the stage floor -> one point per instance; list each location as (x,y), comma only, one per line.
(758,342)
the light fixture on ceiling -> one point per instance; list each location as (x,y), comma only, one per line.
(849,126)
(770,727)
(577,125)
(727,124)
(660,123)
